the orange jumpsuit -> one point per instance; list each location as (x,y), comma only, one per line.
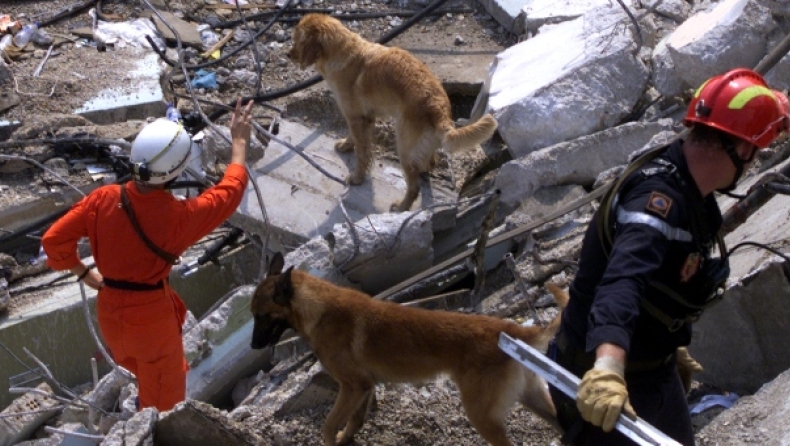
(143,328)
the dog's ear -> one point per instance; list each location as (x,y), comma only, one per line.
(284,289)
(276,265)
(311,48)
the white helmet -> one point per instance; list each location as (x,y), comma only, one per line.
(160,152)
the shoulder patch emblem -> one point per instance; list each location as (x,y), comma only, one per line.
(690,267)
(659,203)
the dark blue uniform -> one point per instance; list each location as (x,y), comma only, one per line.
(643,295)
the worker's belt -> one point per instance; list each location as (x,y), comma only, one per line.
(133,286)
(581,360)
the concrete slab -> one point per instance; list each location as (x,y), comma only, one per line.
(187,31)
(138,95)
(554,88)
(302,203)
(739,340)
(197,424)
(536,13)
(228,356)
(29,213)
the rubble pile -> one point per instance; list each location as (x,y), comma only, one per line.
(577,87)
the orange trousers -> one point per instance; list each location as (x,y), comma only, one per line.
(143,333)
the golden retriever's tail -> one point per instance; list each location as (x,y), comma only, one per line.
(463,138)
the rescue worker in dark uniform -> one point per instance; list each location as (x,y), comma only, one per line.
(646,271)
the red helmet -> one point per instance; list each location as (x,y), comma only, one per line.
(740,103)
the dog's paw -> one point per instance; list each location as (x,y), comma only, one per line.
(344,145)
(343,439)
(354,179)
(398,207)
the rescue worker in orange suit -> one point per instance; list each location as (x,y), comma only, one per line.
(646,271)
(140,315)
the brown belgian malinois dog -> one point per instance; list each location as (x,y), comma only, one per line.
(362,341)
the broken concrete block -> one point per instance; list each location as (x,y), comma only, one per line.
(105,397)
(778,77)
(137,431)
(40,128)
(547,200)
(244,386)
(378,242)
(571,80)
(677,10)
(120,103)
(537,13)
(195,342)
(573,162)
(757,419)
(316,257)
(286,390)
(226,356)
(734,33)
(42,408)
(737,340)
(187,31)
(193,423)
(506,13)
(664,76)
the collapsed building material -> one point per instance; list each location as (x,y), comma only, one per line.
(26,414)
(570,91)
(193,423)
(703,45)
(574,162)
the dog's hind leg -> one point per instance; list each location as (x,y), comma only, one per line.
(487,400)
(412,177)
(416,147)
(348,400)
(360,140)
(537,399)
(357,419)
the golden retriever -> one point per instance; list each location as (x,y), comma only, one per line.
(370,80)
(362,341)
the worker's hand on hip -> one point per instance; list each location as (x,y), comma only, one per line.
(602,394)
(687,366)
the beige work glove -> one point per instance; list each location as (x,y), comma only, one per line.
(602,394)
(687,366)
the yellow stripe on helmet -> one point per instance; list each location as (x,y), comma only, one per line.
(747,94)
(699,90)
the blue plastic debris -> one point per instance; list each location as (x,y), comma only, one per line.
(204,79)
(708,401)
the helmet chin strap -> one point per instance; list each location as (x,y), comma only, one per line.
(739,164)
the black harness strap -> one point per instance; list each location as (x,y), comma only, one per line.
(607,241)
(127,206)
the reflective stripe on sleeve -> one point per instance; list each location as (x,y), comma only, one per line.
(670,232)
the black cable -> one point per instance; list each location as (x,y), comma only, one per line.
(759,245)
